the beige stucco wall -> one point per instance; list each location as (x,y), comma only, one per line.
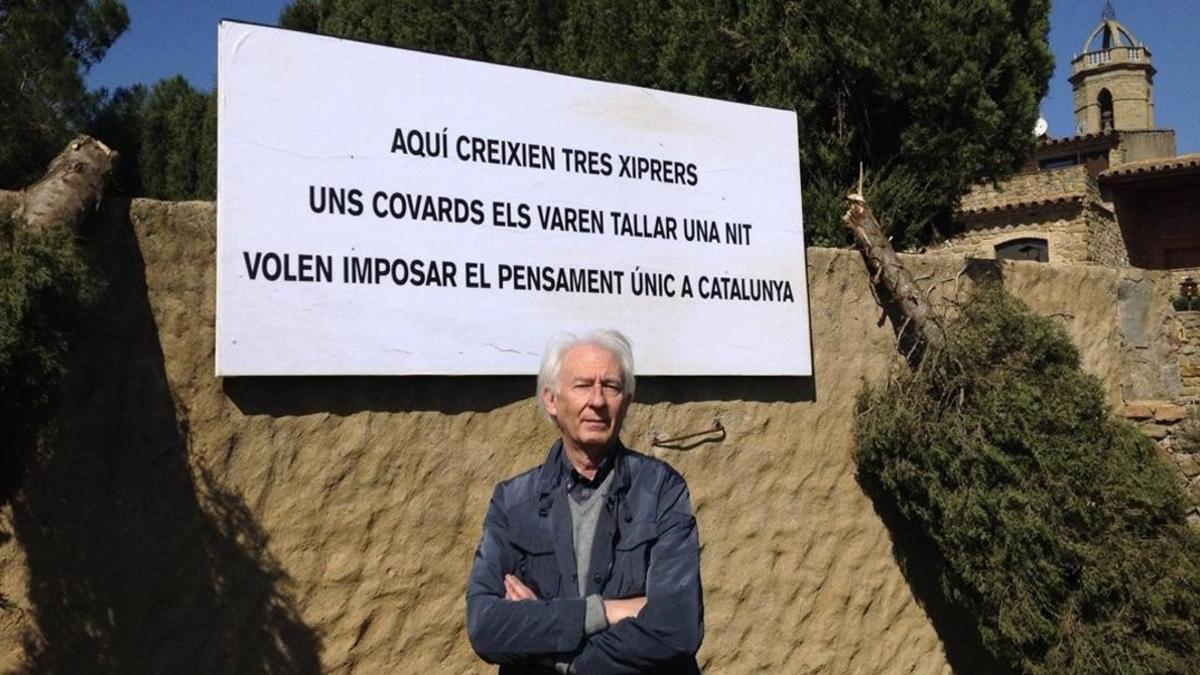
(176,522)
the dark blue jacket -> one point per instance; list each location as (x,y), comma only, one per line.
(645,544)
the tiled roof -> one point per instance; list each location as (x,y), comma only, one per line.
(1022,205)
(1080,138)
(1148,167)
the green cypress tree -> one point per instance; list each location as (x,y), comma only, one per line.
(118,123)
(1053,524)
(177,142)
(44,49)
(931,96)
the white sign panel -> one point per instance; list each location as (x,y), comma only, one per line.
(384,211)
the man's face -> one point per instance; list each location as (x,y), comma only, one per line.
(589,405)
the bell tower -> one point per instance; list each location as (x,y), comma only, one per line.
(1112,80)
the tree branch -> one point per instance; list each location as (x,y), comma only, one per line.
(919,327)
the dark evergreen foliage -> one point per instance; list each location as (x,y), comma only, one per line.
(167,139)
(45,283)
(176,139)
(1057,526)
(118,123)
(932,96)
(166,136)
(44,49)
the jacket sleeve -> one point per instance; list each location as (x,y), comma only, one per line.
(504,631)
(671,625)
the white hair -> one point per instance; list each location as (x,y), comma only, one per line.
(610,340)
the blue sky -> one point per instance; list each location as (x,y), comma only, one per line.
(166,37)
(1169,30)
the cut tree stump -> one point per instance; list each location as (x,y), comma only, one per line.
(71,189)
(919,326)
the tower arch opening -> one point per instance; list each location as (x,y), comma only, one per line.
(1108,120)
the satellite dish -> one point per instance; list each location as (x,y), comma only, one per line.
(1041,127)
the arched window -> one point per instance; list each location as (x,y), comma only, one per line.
(1107,121)
(1027,248)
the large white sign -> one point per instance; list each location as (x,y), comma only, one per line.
(384,211)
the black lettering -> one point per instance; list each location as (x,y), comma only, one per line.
(626,167)
(324,268)
(252,267)
(272,267)
(313,204)
(476,275)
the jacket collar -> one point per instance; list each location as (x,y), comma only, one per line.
(554,470)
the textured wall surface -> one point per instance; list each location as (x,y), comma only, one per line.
(1174,423)
(1124,72)
(1145,144)
(1062,206)
(176,522)
(1028,188)
(1064,227)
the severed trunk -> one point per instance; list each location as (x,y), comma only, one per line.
(71,189)
(917,325)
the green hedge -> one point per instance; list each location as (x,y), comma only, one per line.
(1057,527)
(45,284)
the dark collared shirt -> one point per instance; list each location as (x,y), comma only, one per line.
(578,486)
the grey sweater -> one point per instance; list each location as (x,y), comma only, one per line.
(584,516)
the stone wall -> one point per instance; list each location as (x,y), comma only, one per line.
(1174,424)
(1065,227)
(1067,182)
(1105,246)
(1061,206)
(1176,434)
(1129,84)
(1188,337)
(179,522)
(1145,144)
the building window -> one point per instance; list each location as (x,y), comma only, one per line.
(1057,163)
(1107,121)
(1029,248)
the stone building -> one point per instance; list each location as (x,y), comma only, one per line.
(1115,193)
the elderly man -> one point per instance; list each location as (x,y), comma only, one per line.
(590,562)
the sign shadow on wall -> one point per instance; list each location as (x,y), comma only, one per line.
(348,394)
(345,395)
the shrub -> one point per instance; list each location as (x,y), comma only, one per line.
(45,283)
(1056,526)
